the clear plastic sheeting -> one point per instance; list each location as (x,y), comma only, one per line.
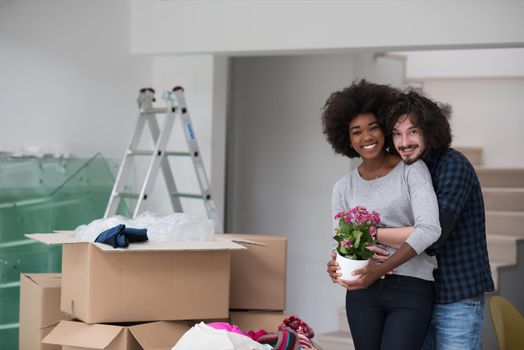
(173,227)
(42,195)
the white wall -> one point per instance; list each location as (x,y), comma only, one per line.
(485,89)
(281,170)
(68,80)
(251,27)
(485,63)
(487,113)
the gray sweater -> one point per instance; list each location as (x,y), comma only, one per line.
(404,197)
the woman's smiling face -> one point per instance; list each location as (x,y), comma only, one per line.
(366,136)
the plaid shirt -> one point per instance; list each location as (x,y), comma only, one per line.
(463,263)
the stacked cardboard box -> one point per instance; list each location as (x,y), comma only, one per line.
(163,281)
(39,309)
(258,282)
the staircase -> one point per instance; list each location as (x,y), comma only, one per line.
(503,190)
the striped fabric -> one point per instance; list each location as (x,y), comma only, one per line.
(302,329)
(281,340)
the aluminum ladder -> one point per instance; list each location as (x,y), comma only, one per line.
(176,106)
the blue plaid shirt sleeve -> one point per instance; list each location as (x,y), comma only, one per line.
(453,183)
(453,187)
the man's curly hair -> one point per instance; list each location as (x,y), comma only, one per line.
(343,106)
(431,117)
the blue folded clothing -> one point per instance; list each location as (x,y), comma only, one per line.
(120,236)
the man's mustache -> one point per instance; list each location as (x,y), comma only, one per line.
(408,147)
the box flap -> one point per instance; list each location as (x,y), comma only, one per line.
(159,335)
(45,280)
(91,336)
(149,246)
(67,238)
(55,238)
(237,238)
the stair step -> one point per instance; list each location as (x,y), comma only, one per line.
(474,154)
(500,177)
(499,222)
(498,198)
(338,340)
(503,248)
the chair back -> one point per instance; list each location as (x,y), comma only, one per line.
(508,323)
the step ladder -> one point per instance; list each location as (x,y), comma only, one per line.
(175,106)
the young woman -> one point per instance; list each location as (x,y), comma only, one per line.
(394,311)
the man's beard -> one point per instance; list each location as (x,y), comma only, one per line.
(411,158)
(410,161)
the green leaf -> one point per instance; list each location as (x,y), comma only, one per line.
(366,254)
(357,234)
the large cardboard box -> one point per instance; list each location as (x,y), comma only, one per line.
(258,274)
(257,320)
(39,309)
(148,281)
(155,335)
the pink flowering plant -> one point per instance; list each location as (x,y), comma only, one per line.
(357,229)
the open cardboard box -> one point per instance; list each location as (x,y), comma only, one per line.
(148,281)
(257,320)
(155,335)
(39,309)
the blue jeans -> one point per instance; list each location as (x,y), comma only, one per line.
(456,326)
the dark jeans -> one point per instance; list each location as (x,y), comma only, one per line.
(392,313)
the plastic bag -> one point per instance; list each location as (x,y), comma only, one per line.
(173,227)
(91,231)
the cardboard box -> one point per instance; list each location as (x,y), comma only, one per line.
(257,320)
(39,309)
(155,335)
(148,281)
(258,274)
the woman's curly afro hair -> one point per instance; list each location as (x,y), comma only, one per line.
(343,106)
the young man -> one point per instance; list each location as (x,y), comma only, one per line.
(420,129)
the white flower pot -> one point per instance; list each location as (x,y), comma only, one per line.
(347,266)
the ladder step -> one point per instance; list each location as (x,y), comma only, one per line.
(188,195)
(178,154)
(127,195)
(141,152)
(148,111)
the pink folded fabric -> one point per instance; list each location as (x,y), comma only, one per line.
(226,326)
(255,335)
